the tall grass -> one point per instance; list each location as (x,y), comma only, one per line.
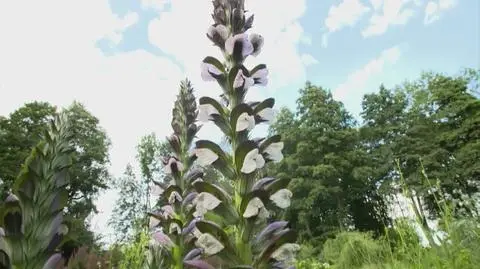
(401,246)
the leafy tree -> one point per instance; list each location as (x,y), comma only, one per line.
(128,210)
(89,173)
(333,177)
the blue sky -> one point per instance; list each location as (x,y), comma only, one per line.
(124,58)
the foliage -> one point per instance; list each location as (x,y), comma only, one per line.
(22,130)
(32,217)
(128,210)
(334,178)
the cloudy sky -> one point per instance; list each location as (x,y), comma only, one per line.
(124,58)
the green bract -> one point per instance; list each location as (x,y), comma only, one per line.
(32,216)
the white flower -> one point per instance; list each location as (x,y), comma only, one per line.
(281,198)
(153,222)
(274,151)
(163,239)
(243,81)
(168,212)
(255,207)
(209,244)
(252,161)
(286,252)
(157,190)
(267,114)
(208,71)
(168,168)
(239,40)
(175,228)
(205,202)
(245,121)
(260,76)
(174,196)
(205,156)
(205,111)
(257,42)
(220,29)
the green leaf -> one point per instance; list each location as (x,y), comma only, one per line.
(202,186)
(278,184)
(270,102)
(215,62)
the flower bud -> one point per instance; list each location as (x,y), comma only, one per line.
(257,42)
(218,34)
(237,20)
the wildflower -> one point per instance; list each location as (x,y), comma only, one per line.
(209,244)
(218,34)
(274,151)
(255,208)
(205,156)
(162,239)
(239,44)
(267,114)
(153,222)
(252,161)
(205,111)
(174,196)
(210,72)
(260,76)
(257,43)
(245,121)
(242,81)
(205,202)
(174,228)
(282,198)
(173,165)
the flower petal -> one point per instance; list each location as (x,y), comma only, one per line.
(257,43)
(205,111)
(245,121)
(205,202)
(208,72)
(239,40)
(153,222)
(209,244)
(274,151)
(163,239)
(281,198)
(267,114)
(205,156)
(253,208)
(250,163)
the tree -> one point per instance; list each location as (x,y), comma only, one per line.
(332,175)
(89,174)
(128,211)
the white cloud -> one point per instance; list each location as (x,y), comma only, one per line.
(308,59)
(357,80)
(347,13)
(392,12)
(434,9)
(49,54)
(155,4)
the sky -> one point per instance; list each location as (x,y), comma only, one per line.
(124,59)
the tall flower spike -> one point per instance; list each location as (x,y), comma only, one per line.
(232,218)
(34,229)
(176,200)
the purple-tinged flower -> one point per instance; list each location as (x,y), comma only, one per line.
(239,44)
(173,165)
(210,72)
(242,81)
(260,76)
(257,43)
(163,239)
